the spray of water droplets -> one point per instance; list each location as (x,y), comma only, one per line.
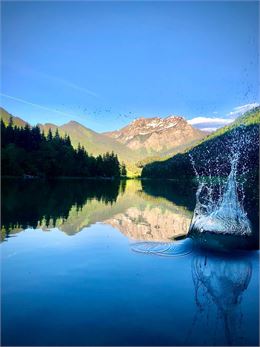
(220,196)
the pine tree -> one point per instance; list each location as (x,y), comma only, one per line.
(49,136)
(123,170)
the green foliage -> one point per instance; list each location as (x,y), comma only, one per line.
(27,151)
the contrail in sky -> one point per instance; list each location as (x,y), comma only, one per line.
(72,85)
(33,104)
(54,79)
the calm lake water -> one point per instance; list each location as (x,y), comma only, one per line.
(107,263)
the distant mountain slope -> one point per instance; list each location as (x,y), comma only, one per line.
(6,118)
(94,143)
(151,136)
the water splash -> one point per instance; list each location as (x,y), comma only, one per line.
(220,196)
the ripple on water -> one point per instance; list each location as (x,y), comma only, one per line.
(167,249)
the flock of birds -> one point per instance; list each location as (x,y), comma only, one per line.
(100,112)
(97,112)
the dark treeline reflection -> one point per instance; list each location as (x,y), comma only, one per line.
(179,192)
(25,203)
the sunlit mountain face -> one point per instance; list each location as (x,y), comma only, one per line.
(151,135)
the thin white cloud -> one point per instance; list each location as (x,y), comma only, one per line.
(202,120)
(209,129)
(33,104)
(239,110)
(209,124)
(213,123)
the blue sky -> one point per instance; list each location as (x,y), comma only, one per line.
(105,63)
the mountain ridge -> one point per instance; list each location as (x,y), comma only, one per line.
(5,116)
(95,143)
(157,134)
(142,139)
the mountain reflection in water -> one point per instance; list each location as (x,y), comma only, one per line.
(141,210)
(71,286)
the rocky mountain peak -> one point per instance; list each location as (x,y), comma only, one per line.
(157,134)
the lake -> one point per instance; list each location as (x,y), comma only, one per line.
(88,262)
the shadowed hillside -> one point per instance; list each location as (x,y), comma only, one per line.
(217,142)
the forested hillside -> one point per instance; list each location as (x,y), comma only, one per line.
(95,144)
(215,146)
(27,151)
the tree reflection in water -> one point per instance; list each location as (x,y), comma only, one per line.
(219,283)
(71,205)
